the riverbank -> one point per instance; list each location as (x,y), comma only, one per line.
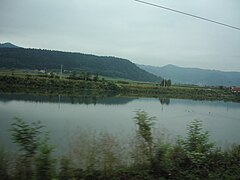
(34,84)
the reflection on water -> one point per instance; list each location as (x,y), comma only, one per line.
(83,99)
(66,115)
(164,101)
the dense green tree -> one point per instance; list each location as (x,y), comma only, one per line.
(193,152)
(169,82)
(166,83)
(20,58)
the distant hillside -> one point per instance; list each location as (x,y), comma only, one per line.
(195,76)
(8,45)
(20,58)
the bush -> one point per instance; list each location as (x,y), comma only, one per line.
(191,155)
(100,156)
(34,151)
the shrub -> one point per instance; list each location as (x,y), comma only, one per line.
(190,156)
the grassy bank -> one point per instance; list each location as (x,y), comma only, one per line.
(54,85)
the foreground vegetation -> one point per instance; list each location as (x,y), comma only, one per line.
(74,84)
(102,156)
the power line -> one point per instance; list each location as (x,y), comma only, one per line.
(188,14)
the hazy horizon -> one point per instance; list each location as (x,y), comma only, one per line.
(127,29)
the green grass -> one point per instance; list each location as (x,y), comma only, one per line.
(31,81)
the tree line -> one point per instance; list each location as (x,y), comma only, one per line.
(36,59)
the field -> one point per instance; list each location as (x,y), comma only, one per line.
(35,82)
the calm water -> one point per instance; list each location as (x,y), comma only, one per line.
(64,116)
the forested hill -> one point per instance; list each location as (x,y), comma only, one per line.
(8,45)
(182,75)
(21,58)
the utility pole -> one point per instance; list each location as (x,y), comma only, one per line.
(61,71)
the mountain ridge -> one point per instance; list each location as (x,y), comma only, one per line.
(196,76)
(196,68)
(22,58)
(8,45)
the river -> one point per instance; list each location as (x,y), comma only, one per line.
(65,116)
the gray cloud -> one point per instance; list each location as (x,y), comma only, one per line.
(127,29)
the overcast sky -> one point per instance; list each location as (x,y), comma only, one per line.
(124,28)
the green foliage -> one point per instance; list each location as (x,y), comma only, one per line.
(44,163)
(35,151)
(143,144)
(166,83)
(196,145)
(197,140)
(4,163)
(232,162)
(96,152)
(195,150)
(26,136)
(96,78)
(145,125)
(110,157)
(20,58)
(112,86)
(23,168)
(66,169)
(46,85)
(160,162)
(100,156)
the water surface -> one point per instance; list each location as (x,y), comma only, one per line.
(64,116)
